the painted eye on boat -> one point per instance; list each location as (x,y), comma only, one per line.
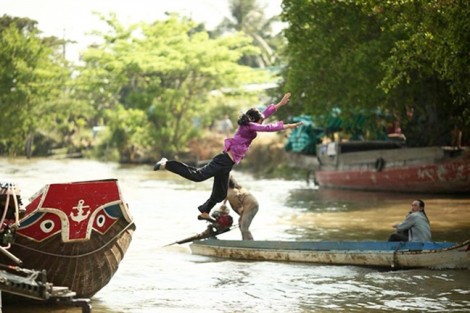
(47,226)
(100,220)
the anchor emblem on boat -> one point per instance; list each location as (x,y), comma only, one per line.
(81,215)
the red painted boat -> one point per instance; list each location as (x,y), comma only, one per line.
(389,166)
(78,232)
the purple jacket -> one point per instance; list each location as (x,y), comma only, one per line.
(239,144)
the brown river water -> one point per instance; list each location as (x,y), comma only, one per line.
(153,278)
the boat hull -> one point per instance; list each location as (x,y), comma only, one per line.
(77,232)
(372,254)
(84,267)
(417,170)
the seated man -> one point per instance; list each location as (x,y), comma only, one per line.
(415,227)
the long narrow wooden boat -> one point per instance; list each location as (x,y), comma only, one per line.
(390,166)
(392,255)
(77,232)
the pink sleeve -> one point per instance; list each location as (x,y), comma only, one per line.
(272,127)
(270,110)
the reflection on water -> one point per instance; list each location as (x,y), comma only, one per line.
(152,278)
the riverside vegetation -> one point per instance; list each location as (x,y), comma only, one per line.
(151,89)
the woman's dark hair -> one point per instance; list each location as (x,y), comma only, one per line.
(421,206)
(252,115)
(232,183)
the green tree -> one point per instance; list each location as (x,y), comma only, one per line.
(334,55)
(166,70)
(375,56)
(32,73)
(248,17)
(428,70)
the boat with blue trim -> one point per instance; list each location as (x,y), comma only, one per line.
(391,255)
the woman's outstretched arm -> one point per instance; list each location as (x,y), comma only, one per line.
(285,99)
(293,125)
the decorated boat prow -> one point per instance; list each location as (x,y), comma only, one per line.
(77,232)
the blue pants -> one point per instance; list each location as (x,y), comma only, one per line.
(219,168)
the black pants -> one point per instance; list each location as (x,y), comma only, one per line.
(399,236)
(219,168)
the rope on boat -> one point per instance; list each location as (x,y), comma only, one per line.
(78,255)
(395,258)
(9,189)
(7,231)
(7,203)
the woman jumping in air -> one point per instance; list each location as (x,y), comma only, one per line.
(235,149)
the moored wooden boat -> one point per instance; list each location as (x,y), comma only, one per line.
(389,166)
(438,255)
(77,232)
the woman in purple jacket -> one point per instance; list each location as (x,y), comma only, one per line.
(235,149)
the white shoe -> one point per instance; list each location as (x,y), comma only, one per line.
(160,165)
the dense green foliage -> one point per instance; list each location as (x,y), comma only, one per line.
(405,59)
(32,72)
(248,16)
(153,81)
(151,88)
